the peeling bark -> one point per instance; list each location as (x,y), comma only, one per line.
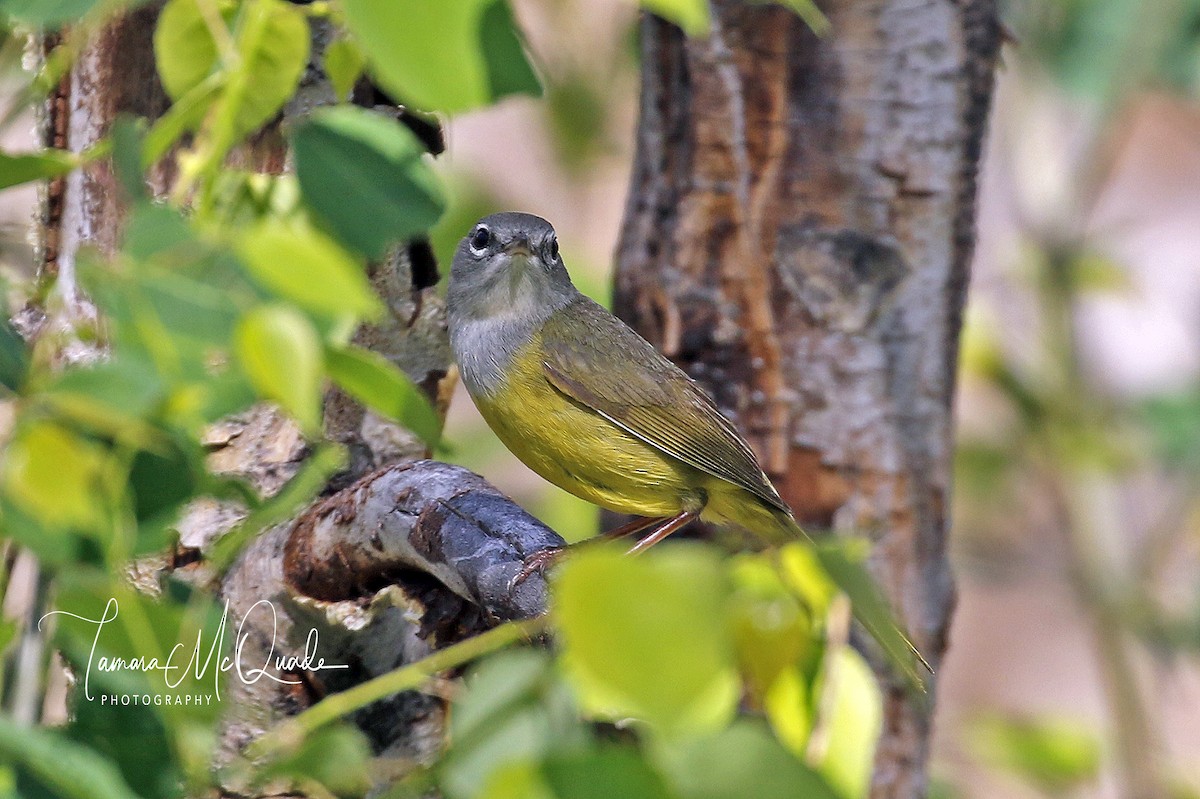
(369,569)
(798,237)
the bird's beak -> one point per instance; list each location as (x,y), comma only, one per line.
(519,246)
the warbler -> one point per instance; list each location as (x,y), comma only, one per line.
(589,404)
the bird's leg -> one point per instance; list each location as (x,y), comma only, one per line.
(669,526)
(542,559)
(630,527)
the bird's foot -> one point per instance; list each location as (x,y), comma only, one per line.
(537,563)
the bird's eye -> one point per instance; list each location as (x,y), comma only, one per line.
(480,239)
(554,249)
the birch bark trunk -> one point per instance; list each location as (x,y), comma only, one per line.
(798,237)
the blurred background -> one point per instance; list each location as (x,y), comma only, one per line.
(1074,645)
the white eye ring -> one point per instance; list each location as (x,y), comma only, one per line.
(480,239)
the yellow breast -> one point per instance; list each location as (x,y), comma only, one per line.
(580,451)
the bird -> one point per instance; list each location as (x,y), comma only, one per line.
(590,405)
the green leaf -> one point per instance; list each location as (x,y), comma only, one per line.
(344,63)
(306,267)
(508,69)
(47,13)
(847,568)
(646,637)
(807,10)
(377,383)
(513,709)
(448,57)
(273,42)
(127,133)
(691,15)
(69,770)
(740,762)
(43,165)
(281,355)
(854,722)
(336,757)
(55,476)
(14,357)
(366,177)
(1053,753)
(184,48)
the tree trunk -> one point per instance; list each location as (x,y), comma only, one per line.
(798,237)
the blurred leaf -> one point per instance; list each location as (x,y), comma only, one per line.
(801,568)
(646,637)
(304,266)
(741,762)
(845,563)
(770,629)
(127,133)
(344,63)
(336,757)
(447,57)
(55,476)
(154,230)
(1053,754)
(379,384)
(314,474)
(133,738)
(505,63)
(788,707)
(1174,422)
(43,165)
(578,117)
(807,10)
(184,48)
(273,41)
(14,357)
(366,177)
(513,709)
(691,15)
(606,773)
(1092,271)
(53,13)
(69,770)
(280,354)
(853,725)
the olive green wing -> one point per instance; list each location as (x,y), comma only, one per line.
(598,361)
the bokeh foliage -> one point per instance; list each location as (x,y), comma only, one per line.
(679,674)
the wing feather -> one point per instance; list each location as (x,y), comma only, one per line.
(645,394)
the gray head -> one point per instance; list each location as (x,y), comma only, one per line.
(508,266)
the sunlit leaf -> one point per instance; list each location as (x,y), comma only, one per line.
(184,49)
(379,384)
(304,266)
(852,726)
(645,637)
(442,56)
(691,15)
(366,177)
(344,62)
(280,354)
(55,475)
(273,42)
